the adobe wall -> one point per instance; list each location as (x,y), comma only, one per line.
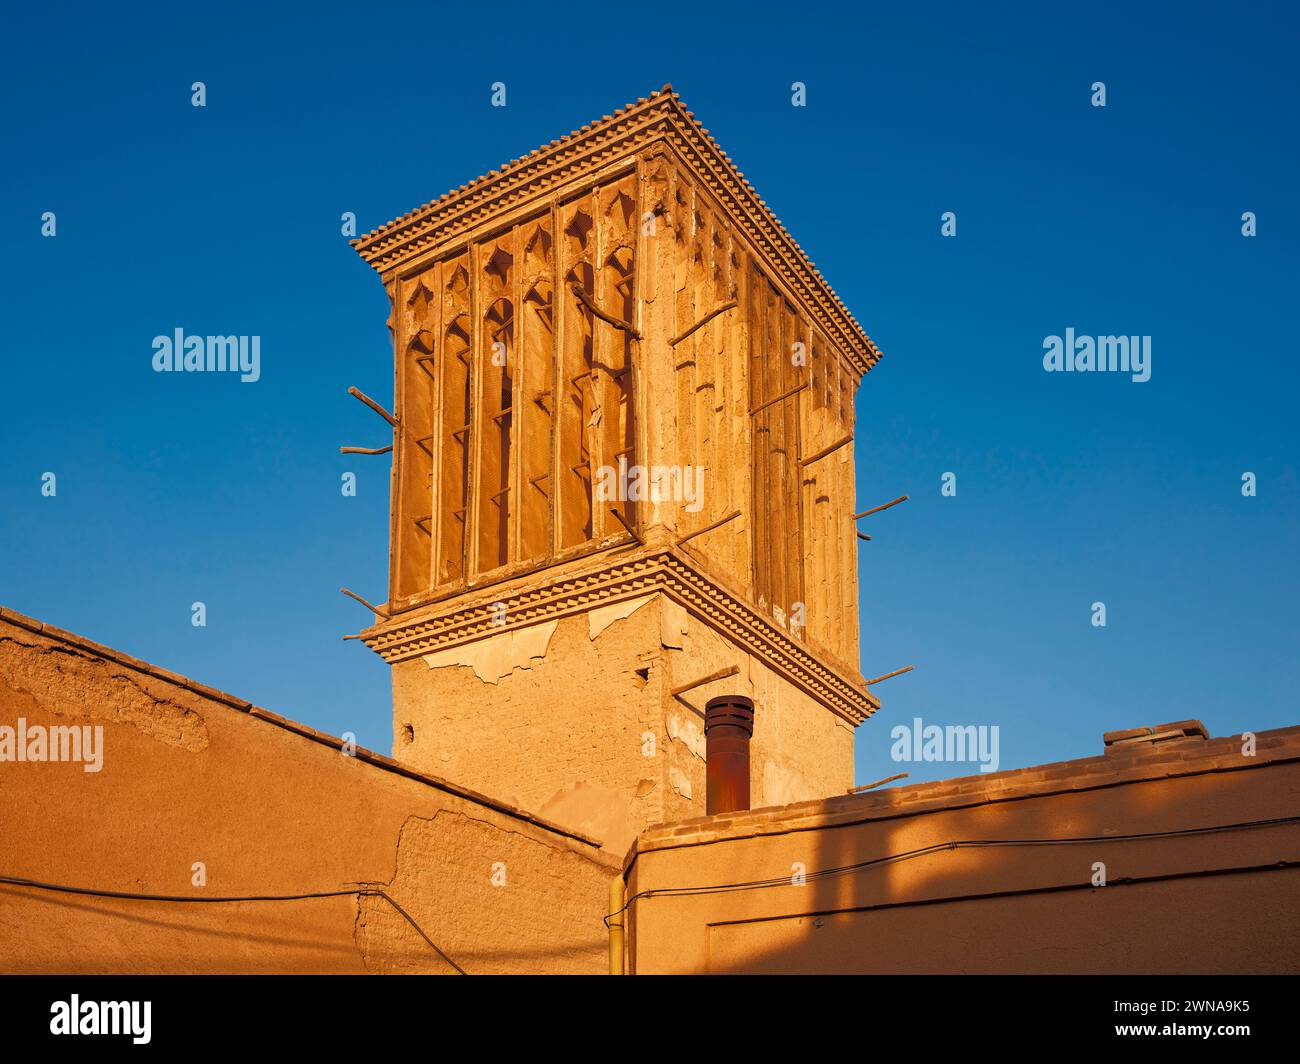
(190,774)
(1221,901)
(800,749)
(551,717)
(574,719)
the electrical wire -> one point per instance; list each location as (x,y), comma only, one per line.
(721,888)
(361,892)
(962,844)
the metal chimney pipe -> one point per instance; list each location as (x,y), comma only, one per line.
(728,726)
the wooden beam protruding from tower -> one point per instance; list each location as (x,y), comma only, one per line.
(826,451)
(888,675)
(883,506)
(709,528)
(372,608)
(590,304)
(365,450)
(623,521)
(721,674)
(777,398)
(731,305)
(357,393)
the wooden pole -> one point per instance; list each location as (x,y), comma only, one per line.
(590,304)
(709,528)
(365,450)
(877,509)
(896,672)
(359,394)
(367,605)
(826,450)
(623,521)
(703,321)
(868,786)
(777,399)
(721,674)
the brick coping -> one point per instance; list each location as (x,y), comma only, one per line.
(1190,757)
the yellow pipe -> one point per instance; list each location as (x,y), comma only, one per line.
(616,894)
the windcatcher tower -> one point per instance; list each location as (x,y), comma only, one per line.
(618,299)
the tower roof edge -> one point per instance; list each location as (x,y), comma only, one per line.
(660,115)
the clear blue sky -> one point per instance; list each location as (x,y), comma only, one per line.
(1071,489)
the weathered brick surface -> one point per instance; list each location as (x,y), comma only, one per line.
(591,736)
(268,807)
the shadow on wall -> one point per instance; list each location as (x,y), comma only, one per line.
(1000,874)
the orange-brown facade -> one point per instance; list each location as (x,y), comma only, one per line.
(1178,858)
(616,373)
(199,794)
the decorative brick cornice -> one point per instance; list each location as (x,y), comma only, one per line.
(660,116)
(426,630)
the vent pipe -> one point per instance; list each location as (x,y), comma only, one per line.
(728,726)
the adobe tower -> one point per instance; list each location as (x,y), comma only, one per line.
(622,481)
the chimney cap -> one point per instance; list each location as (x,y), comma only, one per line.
(736,710)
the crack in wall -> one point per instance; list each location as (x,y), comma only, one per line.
(33,678)
(488,902)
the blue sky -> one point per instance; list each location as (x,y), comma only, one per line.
(1071,488)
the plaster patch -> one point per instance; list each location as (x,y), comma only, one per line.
(688,731)
(498,656)
(680,782)
(40,678)
(674,622)
(601,618)
(598,811)
(783,786)
(496,898)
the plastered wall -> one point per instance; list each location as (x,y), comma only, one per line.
(266,807)
(575,719)
(918,893)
